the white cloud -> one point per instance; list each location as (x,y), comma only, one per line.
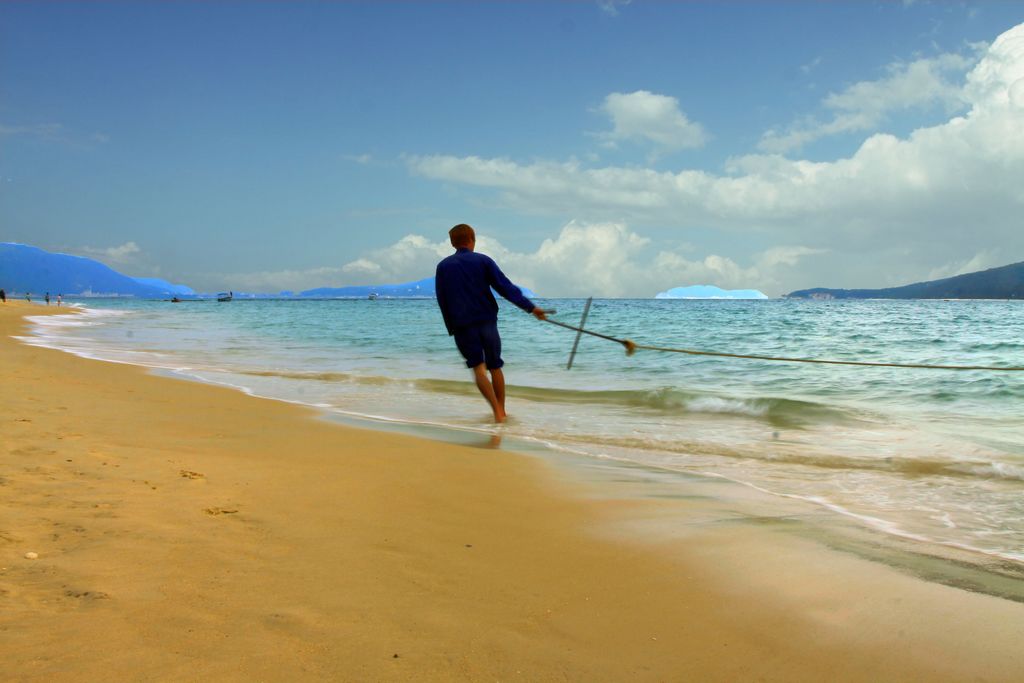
(52,132)
(49,131)
(362,159)
(361,266)
(600,259)
(611,7)
(411,258)
(811,65)
(864,106)
(275,281)
(649,117)
(983,260)
(911,203)
(784,256)
(125,253)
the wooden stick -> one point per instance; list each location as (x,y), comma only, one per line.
(579,333)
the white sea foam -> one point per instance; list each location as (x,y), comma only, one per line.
(715,404)
(994,470)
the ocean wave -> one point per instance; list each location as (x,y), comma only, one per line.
(74,317)
(996,346)
(780,412)
(318,376)
(979,469)
(909,466)
(991,470)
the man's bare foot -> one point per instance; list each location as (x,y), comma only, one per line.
(500,417)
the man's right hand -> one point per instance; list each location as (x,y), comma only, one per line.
(539,314)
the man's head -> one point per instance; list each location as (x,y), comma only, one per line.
(462,236)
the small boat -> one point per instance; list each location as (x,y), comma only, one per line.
(373,296)
(225,296)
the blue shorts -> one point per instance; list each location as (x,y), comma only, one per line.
(480,344)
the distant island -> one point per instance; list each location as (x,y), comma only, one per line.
(420,289)
(1005,282)
(709,292)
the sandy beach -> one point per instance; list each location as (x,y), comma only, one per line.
(185,532)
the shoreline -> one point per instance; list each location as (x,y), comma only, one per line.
(187,531)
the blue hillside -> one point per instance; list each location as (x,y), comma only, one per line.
(31,269)
(164,285)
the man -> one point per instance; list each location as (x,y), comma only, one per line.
(463,283)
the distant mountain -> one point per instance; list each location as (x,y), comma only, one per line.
(709,292)
(30,269)
(1006,282)
(181,290)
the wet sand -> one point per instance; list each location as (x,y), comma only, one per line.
(188,532)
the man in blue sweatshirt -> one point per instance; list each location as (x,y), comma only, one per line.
(463,283)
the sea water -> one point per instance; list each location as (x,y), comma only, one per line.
(934,455)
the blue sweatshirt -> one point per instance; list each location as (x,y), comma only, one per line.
(463,283)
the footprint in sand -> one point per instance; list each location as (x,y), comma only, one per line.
(189,474)
(87,595)
(220,511)
(32,450)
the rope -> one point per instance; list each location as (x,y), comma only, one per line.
(631,347)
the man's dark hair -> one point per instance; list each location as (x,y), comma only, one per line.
(461,235)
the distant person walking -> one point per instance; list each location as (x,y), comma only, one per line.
(47,297)
(3,296)
(28,296)
(60,297)
(463,283)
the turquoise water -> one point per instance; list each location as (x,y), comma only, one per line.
(932,455)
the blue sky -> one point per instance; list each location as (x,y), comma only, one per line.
(614,149)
